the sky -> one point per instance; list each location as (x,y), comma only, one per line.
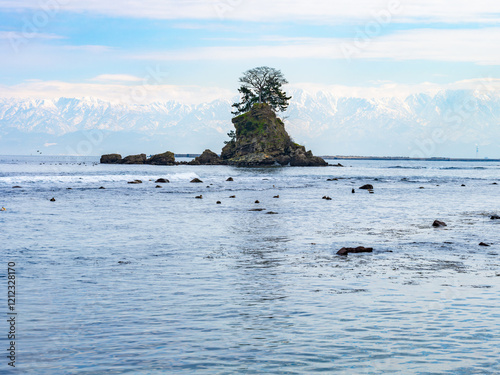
(194,51)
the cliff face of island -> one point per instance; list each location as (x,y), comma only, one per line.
(261,139)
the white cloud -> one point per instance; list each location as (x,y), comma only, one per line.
(116,78)
(466,45)
(329,11)
(115,92)
(12,35)
(386,89)
(140,94)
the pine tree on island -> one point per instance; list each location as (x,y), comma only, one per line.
(260,137)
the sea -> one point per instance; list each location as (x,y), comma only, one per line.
(139,279)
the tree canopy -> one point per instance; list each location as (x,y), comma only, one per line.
(262,85)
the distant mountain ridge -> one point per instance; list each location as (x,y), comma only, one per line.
(449,123)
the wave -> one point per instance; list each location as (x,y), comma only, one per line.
(405,167)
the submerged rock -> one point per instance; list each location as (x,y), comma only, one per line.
(167,158)
(135,182)
(229,179)
(495,217)
(483,244)
(359,249)
(196,181)
(111,159)
(162,181)
(208,157)
(438,224)
(366,187)
(261,140)
(134,159)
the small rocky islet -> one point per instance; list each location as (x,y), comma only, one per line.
(260,140)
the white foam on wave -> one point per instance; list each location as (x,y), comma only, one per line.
(79,179)
(182,176)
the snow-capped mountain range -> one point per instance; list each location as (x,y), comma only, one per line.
(449,123)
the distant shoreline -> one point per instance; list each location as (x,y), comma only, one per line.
(405,158)
(340,157)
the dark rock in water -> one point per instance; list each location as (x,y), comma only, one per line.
(196,180)
(69,188)
(438,224)
(327,198)
(367,187)
(353,191)
(261,140)
(199,197)
(111,159)
(257,209)
(135,182)
(219,202)
(167,158)
(162,181)
(276,196)
(134,159)
(158,186)
(16,187)
(257,202)
(230,179)
(494,183)
(359,249)
(53,199)
(332,179)
(102,187)
(495,217)
(232,196)
(306,159)
(421,187)
(271,213)
(336,165)
(124,262)
(463,184)
(483,244)
(208,157)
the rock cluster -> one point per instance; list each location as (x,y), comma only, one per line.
(167,158)
(260,140)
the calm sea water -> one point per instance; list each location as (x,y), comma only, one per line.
(143,280)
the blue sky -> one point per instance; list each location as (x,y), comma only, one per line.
(198,49)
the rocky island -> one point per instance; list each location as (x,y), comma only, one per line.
(260,138)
